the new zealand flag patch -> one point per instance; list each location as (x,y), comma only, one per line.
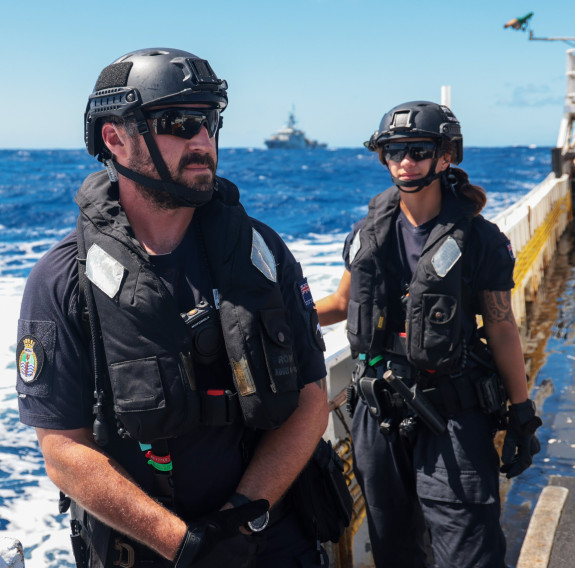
(306,295)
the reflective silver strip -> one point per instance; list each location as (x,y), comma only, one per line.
(262,257)
(104,271)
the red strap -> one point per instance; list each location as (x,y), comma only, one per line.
(158,459)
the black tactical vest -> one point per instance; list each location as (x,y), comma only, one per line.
(438,320)
(145,339)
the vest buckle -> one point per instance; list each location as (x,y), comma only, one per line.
(127,560)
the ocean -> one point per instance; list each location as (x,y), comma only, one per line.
(310,197)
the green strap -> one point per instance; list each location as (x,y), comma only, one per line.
(161,466)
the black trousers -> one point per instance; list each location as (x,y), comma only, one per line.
(444,488)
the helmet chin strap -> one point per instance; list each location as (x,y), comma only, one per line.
(188,196)
(419,184)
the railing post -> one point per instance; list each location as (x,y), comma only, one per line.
(11,553)
(557,161)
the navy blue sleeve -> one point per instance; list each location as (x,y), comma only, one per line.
(491,258)
(53,365)
(308,341)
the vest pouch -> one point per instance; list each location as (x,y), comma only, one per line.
(353,317)
(143,406)
(434,337)
(320,496)
(272,378)
(359,326)
(278,351)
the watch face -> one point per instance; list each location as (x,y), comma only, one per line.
(259,524)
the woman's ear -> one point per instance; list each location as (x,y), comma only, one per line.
(444,162)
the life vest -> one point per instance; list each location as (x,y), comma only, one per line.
(144,337)
(438,318)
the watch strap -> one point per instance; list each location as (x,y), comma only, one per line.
(237,500)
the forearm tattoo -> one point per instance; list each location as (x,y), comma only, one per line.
(496,306)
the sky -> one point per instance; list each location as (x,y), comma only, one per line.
(340,64)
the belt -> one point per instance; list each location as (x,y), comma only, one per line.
(460,393)
(453,395)
(449,394)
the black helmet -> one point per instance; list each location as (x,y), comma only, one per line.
(143,79)
(419,119)
(150,77)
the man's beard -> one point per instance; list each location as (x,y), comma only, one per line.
(142,163)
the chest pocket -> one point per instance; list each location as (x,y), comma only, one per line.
(277,344)
(441,328)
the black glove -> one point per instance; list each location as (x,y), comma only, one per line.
(520,443)
(203,536)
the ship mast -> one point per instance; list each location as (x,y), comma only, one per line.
(568,40)
(563,155)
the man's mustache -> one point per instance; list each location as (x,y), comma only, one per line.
(200,159)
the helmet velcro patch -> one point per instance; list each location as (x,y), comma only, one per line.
(115,75)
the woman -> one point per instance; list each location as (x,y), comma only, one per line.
(419,268)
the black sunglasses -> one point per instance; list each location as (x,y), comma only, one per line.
(418,151)
(184,122)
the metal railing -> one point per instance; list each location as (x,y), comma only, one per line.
(534,225)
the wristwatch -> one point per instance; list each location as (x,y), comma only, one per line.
(256,525)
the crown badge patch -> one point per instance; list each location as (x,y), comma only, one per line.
(30,358)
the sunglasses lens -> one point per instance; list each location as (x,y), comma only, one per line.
(422,151)
(418,151)
(184,123)
(394,152)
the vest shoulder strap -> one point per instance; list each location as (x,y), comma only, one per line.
(90,324)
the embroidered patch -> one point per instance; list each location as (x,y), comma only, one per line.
(30,358)
(306,295)
(510,251)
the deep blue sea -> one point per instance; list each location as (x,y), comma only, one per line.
(310,197)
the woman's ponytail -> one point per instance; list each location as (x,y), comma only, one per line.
(459,180)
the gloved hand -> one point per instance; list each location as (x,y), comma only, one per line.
(520,443)
(203,536)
